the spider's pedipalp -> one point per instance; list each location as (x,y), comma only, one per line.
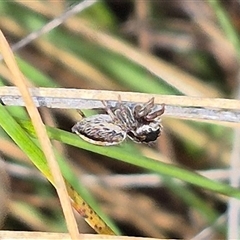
(155,114)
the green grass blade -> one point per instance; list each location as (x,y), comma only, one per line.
(30,148)
(118,153)
(24,142)
(226,24)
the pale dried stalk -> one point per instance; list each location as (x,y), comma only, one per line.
(7,235)
(211,109)
(19,81)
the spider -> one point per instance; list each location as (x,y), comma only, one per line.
(140,123)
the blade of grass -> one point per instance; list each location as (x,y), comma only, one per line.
(71,178)
(22,139)
(73,95)
(191,199)
(226,24)
(18,79)
(231,33)
(53,24)
(141,161)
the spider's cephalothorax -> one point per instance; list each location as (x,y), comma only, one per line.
(140,122)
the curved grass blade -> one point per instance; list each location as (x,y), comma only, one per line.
(116,152)
(23,140)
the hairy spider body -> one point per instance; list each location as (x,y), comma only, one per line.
(100,130)
(141,123)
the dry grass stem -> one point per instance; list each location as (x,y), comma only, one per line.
(42,136)
(212,109)
(6,235)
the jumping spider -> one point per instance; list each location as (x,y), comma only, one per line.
(141,123)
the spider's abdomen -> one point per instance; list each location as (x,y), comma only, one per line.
(99,130)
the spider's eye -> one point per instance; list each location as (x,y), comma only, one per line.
(145,137)
(152,136)
(146,133)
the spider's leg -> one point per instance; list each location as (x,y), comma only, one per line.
(119,104)
(81,113)
(142,110)
(119,99)
(109,111)
(153,115)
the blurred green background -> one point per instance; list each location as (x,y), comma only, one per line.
(195,42)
